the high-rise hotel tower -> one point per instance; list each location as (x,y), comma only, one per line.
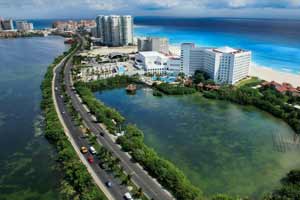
(224,65)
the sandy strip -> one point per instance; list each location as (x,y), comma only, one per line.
(270,74)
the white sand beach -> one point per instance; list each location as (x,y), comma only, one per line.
(262,72)
(270,74)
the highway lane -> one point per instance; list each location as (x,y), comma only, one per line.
(117,190)
(151,188)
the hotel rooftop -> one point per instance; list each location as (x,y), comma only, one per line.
(227,50)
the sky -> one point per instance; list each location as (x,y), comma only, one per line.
(31,9)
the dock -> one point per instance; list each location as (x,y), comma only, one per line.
(131,88)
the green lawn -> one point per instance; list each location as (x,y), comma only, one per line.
(253,81)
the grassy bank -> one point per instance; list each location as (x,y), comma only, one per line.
(133,142)
(76,182)
(174,89)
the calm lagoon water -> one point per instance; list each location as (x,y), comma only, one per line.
(221,147)
(26,158)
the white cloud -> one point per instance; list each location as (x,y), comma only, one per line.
(239,3)
(159,3)
(105,4)
(150,7)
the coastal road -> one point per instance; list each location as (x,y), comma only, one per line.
(151,188)
(100,176)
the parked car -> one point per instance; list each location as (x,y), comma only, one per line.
(91,159)
(92,150)
(108,184)
(102,166)
(128,196)
(83,150)
(102,134)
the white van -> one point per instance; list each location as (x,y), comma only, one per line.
(92,150)
(128,196)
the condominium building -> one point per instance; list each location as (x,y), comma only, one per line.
(24,26)
(127,29)
(8,24)
(154,44)
(115,30)
(224,65)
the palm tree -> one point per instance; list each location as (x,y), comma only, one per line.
(139,193)
(127,179)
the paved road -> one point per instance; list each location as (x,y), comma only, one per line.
(100,176)
(140,177)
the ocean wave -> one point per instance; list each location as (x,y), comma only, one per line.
(286,69)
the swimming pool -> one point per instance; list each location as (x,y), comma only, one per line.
(168,79)
(121,70)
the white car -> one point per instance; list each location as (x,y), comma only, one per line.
(92,150)
(128,196)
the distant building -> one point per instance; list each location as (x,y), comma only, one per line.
(157,63)
(24,26)
(1,19)
(72,26)
(94,32)
(8,24)
(224,65)
(154,44)
(62,26)
(282,88)
(115,30)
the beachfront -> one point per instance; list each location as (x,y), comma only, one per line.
(262,72)
(269,74)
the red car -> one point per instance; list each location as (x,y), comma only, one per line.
(91,159)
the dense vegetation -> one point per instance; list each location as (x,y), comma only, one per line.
(76,182)
(174,89)
(164,171)
(290,187)
(110,83)
(105,115)
(266,99)
(202,77)
(157,93)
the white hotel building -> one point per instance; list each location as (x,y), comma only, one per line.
(157,63)
(225,65)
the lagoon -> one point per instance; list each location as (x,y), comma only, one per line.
(27,160)
(220,146)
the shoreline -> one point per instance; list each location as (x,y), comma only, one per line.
(270,74)
(262,72)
